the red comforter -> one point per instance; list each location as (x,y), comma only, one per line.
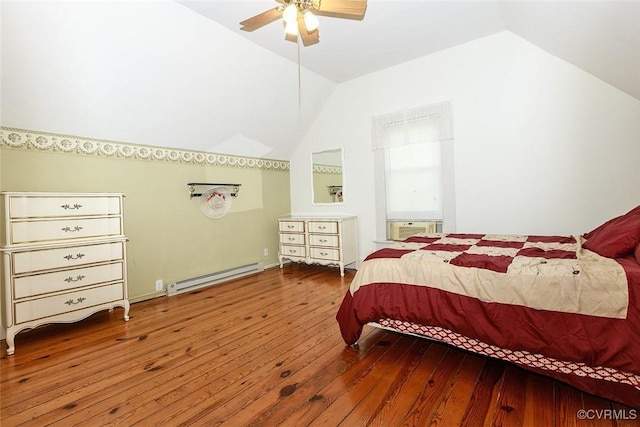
(596,353)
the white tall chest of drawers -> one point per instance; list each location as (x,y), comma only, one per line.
(63,258)
(318,240)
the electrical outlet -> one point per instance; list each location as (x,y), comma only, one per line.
(266,251)
(159,285)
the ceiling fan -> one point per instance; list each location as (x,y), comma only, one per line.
(299,17)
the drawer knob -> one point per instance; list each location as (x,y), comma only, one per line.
(291,239)
(322,227)
(324,253)
(323,240)
(70,257)
(78,301)
(71,230)
(68,206)
(290,226)
(78,278)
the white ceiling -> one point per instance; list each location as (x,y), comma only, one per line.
(601,37)
(180,73)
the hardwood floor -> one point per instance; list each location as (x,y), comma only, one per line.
(266,350)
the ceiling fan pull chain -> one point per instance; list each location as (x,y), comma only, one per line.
(299,83)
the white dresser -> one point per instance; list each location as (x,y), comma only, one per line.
(64,258)
(318,240)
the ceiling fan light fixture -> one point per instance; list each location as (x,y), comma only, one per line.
(290,13)
(300,17)
(310,21)
(291,28)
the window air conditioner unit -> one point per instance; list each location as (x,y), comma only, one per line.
(400,230)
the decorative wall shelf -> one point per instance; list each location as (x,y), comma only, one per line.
(334,189)
(196,189)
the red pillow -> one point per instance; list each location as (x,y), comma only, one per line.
(634,211)
(616,238)
(637,254)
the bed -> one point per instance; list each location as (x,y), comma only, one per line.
(564,306)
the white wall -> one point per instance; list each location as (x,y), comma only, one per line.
(150,72)
(541,147)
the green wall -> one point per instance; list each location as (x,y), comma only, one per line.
(169,238)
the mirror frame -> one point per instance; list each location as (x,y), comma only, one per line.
(333,157)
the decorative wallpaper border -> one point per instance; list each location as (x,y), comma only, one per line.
(327,169)
(52,142)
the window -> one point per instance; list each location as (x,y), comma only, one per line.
(414,163)
(413,182)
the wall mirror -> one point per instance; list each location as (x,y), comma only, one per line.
(327,176)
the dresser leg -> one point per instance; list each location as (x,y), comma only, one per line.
(126,310)
(11,345)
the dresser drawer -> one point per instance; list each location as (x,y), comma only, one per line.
(325,254)
(292,239)
(64,229)
(70,256)
(57,206)
(38,284)
(297,251)
(64,303)
(324,240)
(323,227)
(292,226)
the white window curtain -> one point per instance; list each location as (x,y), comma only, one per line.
(431,123)
(413,144)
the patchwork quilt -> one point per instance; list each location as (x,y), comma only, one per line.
(543,272)
(543,302)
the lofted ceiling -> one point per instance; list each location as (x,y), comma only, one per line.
(601,37)
(181,73)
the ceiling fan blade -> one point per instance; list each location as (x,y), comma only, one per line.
(345,9)
(308,38)
(261,19)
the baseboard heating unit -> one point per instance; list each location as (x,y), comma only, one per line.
(193,283)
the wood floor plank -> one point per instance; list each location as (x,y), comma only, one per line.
(280,385)
(433,392)
(511,401)
(182,315)
(353,392)
(540,395)
(145,364)
(396,374)
(600,412)
(321,395)
(625,415)
(56,339)
(568,405)
(241,391)
(451,410)
(484,394)
(228,359)
(266,350)
(399,405)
